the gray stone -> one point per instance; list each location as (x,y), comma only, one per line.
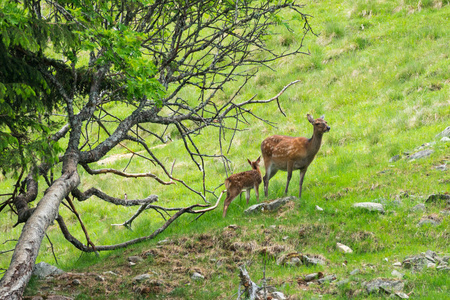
(431,265)
(43,270)
(141,277)
(420,154)
(386,285)
(311,277)
(269,206)
(355,271)
(294,262)
(395,158)
(438,197)
(135,259)
(418,262)
(443,268)
(371,206)
(197,276)
(76,282)
(445,133)
(319,208)
(445,212)
(278,296)
(445,139)
(397,264)
(111,273)
(419,207)
(442,167)
(312,260)
(343,248)
(401,295)
(328,278)
(397,274)
(342,282)
(428,222)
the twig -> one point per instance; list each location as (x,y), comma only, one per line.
(89,242)
(53,250)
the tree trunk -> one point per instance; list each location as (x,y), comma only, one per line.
(14,281)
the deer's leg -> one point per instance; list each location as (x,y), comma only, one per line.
(247,195)
(227,202)
(302,176)
(290,166)
(256,187)
(270,172)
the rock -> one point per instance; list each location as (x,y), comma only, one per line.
(371,206)
(426,221)
(397,264)
(419,207)
(269,206)
(445,139)
(327,278)
(319,208)
(443,268)
(232,226)
(111,273)
(397,274)
(165,241)
(99,278)
(343,248)
(311,277)
(197,276)
(418,262)
(135,259)
(438,197)
(431,265)
(355,271)
(401,295)
(445,212)
(43,270)
(420,154)
(342,282)
(76,282)
(386,285)
(307,260)
(445,133)
(395,158)
(442,167)
(141,278)
(294,262)
(278,296)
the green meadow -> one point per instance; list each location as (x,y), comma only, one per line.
(380,73)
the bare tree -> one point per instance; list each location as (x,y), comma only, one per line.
(144,55)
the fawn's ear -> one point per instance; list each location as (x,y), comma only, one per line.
(258,160)
(250,163)
(310,119)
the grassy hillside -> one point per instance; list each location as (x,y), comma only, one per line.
(380,72)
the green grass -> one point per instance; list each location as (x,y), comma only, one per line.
(379,71)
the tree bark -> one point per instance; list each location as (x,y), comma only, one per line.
(15,279)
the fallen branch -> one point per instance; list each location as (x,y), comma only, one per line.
(158,208)
(123,174)
(250,288)
(81,196)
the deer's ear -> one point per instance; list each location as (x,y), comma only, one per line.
(250,163)
(310,119)
(259,159)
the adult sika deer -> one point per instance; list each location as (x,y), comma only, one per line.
(288,153)
(240,181)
